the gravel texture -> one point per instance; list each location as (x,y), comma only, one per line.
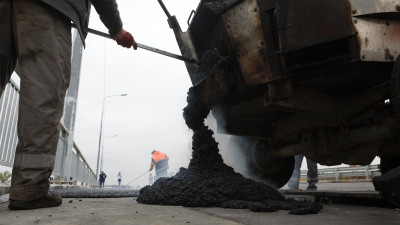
(78,192)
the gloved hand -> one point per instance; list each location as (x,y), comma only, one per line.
(125,39)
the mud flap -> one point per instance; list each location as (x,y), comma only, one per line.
(388,186)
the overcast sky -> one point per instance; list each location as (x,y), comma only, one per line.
(150,117)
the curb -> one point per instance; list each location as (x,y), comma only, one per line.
(4,190)
(363,198)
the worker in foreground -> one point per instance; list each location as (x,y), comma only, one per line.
(37,33)
(160,160)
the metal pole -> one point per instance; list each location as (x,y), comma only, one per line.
(169,54)
(164,8)
(138,177)
(148,48)
(100,153)
(336,174)
(367,173)
(102,156)
(100,138)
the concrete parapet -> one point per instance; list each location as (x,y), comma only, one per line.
(4,190)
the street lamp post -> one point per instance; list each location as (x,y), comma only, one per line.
(102,151)
(101,131)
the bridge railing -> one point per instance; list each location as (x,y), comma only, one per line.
(8,123)
(345,173)
(77,170)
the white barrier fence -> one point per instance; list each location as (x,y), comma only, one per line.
(346,173)
(8,123)
(71,167)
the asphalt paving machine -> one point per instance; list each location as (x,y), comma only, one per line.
(311,77)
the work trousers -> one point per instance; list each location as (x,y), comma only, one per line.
(312,174)
(161,173)
(161,168)
(101,183)
(40,39)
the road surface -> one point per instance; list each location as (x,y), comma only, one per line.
(100,211)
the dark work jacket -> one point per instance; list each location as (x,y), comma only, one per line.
(78,12)
(102,177)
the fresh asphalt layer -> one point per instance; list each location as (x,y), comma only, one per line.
(83,192)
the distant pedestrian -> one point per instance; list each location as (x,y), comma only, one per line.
(102,179)
(160,160)
(312,174)
(119,176)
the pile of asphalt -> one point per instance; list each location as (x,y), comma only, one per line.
(209,182)
(83,192)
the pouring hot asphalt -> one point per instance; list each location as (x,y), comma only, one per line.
(209,182)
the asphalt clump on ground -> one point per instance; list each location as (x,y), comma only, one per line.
(78,192)
(209,182)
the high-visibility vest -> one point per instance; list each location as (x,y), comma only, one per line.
(158,157)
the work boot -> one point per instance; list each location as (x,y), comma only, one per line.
(52,199)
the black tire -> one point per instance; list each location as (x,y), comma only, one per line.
(389,162)
(388,186)
(274,171)
(395,88)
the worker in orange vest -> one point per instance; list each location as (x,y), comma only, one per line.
(160,160)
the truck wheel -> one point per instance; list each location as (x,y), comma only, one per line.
(275,171)
(388,163)
(395,88)
(388,186)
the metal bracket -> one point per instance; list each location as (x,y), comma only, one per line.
(190,17)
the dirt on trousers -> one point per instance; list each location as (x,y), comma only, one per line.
(209,182)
